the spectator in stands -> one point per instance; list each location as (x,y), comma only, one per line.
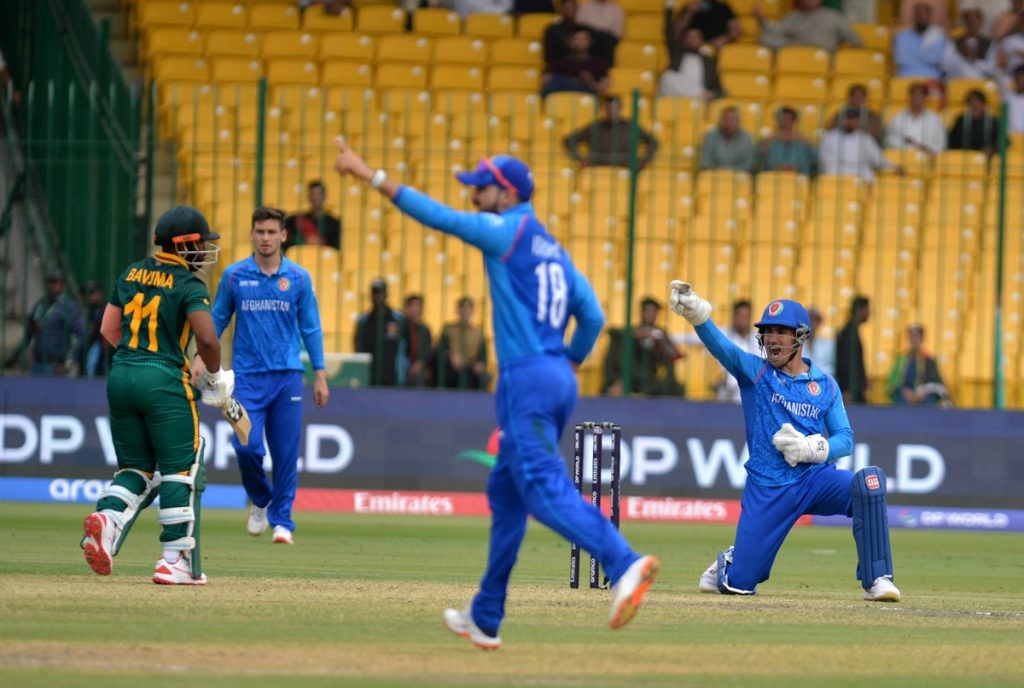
(851,375)
(918,50)
(788,150)
(915,379)
(1008,21)
(976,129)
(988,12)
(603,15)
(1013,96)
(533,7)
(716,21)
(811,25)
(97,349)
(967,56)
(856,11)
(1009,51)
(692,72)
(54,332)
(741,333)
(870,121)
(818,348)
(654,357)
(939,9)
(462,352)
(727,147)
(850,150)
(378,333)
(605,141)
(917,127)
(581,70)
(467,7)
(558,34)
(416,346)
(316,225)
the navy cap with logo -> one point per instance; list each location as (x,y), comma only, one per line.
(182,221)
(785,313)
(505,171)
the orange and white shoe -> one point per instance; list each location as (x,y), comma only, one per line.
(630,590)
(100,532)
(178,573)
(462,624)
(283,536)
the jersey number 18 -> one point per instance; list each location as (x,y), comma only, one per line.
(552,294)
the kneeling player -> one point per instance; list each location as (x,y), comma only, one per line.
(157,305)
(797,429)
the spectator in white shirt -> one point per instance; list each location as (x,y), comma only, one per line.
(820,350)
(1013,95)
(968,56)
(691,73)
(848,150)
(603,15)
(917,127)
(468,7)
(990,11)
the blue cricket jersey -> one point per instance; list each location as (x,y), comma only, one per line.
(811,402)
(534,285)
(274,312)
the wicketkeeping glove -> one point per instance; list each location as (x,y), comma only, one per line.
(684,302)
(218,387)
(797,447)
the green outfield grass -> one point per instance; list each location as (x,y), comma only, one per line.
(357,602)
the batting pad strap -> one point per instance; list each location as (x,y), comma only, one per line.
(122,493)
(177,514)
(181,544)
(186,479)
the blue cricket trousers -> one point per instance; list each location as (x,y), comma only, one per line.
(535,399)
(769,513)
(274,402)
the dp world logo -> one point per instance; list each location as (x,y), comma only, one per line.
(775,308)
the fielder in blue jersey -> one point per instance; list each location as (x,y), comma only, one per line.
(535,290)
(796,430)
(275,313)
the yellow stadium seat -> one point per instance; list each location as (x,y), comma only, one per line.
(359,47)
(750,29)
(347,73)
(799,59)
(959,164)
(769,8)
(649,6)
(641,55)
(267,17)
(174,40)
(380,19)
(403,47)
(957,90)
(533,25)
(874,36)
(571,107)
(516,105)
(861,62)
(317,20)
(167,13)
(233,43)
(515,51)
(800,88)
(489,26)
(746,85)
(290,71)
(897,92)
(460,49)
(513,78)
(436,21)
(236,70)
(622,81)
(224,15)
(457,76)
(293,44)
(744,57)
(648,27)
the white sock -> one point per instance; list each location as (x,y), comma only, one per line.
(171,555)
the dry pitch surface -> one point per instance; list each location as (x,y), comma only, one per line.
(357,601)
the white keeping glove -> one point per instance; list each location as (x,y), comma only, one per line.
(684,302)
(218,387)
(799,448)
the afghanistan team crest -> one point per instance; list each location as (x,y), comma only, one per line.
(813,388)
(284,283)
(775,308)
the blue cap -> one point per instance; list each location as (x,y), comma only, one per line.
(786,313)
(501,170)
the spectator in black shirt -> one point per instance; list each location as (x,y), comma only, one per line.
(851,374)
(715,19)
(316,225)
(976,129)
(605,141)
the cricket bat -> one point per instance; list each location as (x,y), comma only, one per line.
(238,417)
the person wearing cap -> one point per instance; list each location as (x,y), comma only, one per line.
(849,150)
(378,333)
(796,430)
(157,307)
(535,291)
(54,331)
(275,310)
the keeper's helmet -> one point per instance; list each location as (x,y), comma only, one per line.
(184,231)
(786,313)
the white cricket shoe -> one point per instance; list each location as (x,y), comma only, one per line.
(178,573)
(630,590)
(461,624)
(882,590)
(709,579)
(100,532)
(257,520)
(283,535)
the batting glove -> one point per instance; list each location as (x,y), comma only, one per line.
(797,447)
(218,387)
(684,302)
